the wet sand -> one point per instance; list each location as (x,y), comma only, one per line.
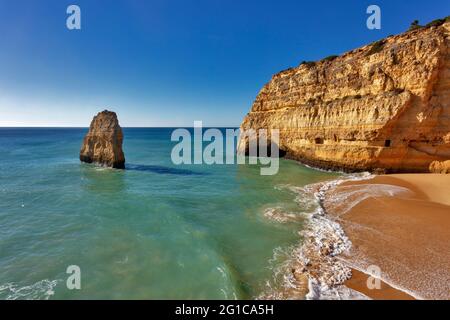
(400,223)
(358,282)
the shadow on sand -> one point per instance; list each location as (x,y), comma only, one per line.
(162,170)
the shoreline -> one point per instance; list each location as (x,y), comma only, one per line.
(358,282)
(315,270)
(399,223)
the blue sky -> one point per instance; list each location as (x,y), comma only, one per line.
(168,63)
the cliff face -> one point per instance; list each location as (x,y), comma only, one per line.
(383,106)
(103,143)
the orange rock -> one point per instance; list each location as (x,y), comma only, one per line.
(103,143)
(383,107)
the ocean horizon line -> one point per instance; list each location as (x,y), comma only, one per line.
(123,127)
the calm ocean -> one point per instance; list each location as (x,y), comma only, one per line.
(153,231)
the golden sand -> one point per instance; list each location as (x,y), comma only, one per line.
(401,224)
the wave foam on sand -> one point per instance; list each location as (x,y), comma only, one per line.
(397,223)
(400,224)
(313,269)
(41,290)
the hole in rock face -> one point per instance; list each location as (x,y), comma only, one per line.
(318,140)
(282,153)
(270,146)
(387,143)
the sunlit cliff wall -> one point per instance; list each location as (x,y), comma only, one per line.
(385,106)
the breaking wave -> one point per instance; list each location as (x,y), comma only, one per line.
(349,196)
(312,269)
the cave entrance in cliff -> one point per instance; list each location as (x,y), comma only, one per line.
(318,140)
(268,152)
(387,143)
(281,152)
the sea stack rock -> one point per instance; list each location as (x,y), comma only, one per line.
(384,107)
(103,143)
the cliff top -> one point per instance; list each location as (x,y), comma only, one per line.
(416,31)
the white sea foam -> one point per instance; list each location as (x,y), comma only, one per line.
(279,264)
(222,272)
(329,238)
(324,240)
(304,196)
(41,290)
(278,214)
(318,291)
(347,197)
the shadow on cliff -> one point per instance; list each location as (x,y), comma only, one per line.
(162,170)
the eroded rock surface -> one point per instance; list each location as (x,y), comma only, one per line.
(103,143)
(383,107)
(440,167)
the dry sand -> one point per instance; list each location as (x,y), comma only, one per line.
(400,223)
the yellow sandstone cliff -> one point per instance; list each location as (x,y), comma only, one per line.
(383,107)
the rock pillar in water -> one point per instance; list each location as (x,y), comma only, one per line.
(103,143)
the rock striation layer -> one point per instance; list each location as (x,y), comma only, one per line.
(382,107)
(103,142)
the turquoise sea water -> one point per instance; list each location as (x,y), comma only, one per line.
(153,231)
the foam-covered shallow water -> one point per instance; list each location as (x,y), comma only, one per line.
(152,231)
(312,269)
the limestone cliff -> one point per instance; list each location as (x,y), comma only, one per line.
(384,106)
(103,142)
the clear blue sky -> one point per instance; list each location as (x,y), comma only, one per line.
(168,63)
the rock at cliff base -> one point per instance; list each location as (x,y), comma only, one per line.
(103,143)
(440,167)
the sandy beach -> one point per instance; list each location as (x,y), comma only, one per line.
(400,224)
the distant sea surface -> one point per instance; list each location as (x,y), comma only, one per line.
(152,231)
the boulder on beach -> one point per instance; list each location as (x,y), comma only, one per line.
(103,143)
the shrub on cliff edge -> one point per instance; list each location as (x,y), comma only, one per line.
(436,23)
(308,63)
(414,25)
(330,58)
